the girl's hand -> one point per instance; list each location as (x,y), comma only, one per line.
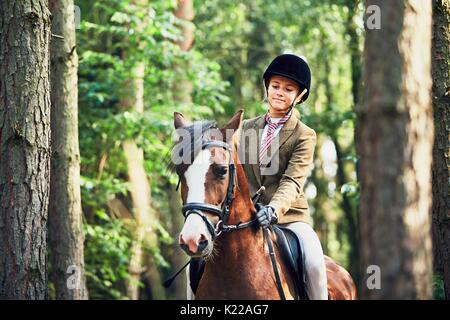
(265,215)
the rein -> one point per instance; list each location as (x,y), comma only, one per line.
(223,213)
(255,198)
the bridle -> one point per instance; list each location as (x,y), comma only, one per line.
(222,212)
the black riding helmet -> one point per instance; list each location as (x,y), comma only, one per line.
(292,67)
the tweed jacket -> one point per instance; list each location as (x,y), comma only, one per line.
(285,169)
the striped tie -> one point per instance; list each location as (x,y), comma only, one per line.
(272,127)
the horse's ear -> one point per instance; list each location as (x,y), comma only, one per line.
(234,126)
(178,120)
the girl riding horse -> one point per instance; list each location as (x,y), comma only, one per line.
(283,173)
(216,187)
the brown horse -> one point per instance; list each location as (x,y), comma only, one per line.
(216,199)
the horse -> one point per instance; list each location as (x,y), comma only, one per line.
(220,220)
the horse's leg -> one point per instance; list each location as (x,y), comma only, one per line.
(316,280)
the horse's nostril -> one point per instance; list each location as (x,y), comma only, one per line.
(185,247)
(202,245)
(191,246)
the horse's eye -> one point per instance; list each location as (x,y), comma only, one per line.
(220,171)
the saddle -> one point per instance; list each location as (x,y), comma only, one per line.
(292,253)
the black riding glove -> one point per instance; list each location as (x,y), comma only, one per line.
(266,215)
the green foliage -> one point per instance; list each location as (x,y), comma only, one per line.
(115,36)
(438,287)
(350,189)
(106,257)
(234,42)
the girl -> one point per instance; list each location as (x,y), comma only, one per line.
(283,171)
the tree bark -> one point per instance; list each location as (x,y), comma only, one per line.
(441,148)
(350,224)
(177,257)
(322,221)
(349,214)
(139,184)
(395,147)
(185,11)
(133,100)
(353,43)
(65,215)
(183,94)
(141,197)
(24,148)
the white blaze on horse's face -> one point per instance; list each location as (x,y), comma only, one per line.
(195,177)
(194,229)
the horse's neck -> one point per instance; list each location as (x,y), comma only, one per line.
(240,246)
(242,209)
(238,257)
(239,267)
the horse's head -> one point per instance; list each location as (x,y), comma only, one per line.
(208,180)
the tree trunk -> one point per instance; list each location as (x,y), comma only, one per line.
(441,149)
(353,44)
(183,89)
(139,186)
(140,195)
(322,221)
(24,148)
(185,11)
(65,215)
(349,214)
(350,224)
(177,257)
(352,215)
(183,94)
(395,148)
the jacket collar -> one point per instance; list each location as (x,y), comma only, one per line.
(284,134)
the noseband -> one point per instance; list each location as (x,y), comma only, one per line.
(222,212)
